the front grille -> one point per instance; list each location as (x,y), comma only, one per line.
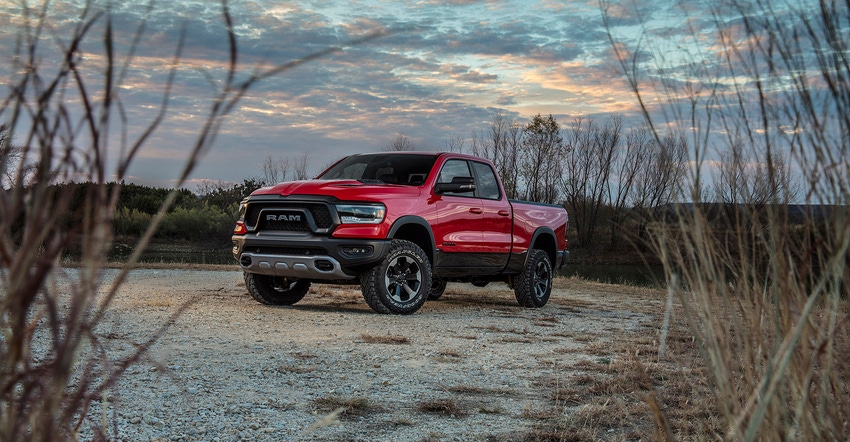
(321,215)
(284,226)
(319,212)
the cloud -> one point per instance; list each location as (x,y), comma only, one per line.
(444,68)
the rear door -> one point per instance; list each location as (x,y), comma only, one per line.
(496,219)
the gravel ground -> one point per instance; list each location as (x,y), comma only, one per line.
(470,366)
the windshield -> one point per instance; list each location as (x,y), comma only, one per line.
(408,169)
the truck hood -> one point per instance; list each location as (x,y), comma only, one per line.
(342,189)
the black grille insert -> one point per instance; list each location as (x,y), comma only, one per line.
(319,212)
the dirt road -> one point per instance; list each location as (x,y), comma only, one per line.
(470,366)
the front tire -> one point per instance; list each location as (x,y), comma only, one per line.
(401,282)
(534,285)
(276,290)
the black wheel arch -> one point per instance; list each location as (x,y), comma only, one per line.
(416,230)
(544,239)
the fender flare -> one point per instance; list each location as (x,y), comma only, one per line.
(541,232)
(407,220)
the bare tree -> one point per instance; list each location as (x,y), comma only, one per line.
(275,171)
(400,143)
(283,169)
(14,165)
(587,166)
(633,160)
(542,145)
(501,144)
(300,167)
(506,137)
(208,187)
(454,143)
(511,139)
(659,179)
(742,179)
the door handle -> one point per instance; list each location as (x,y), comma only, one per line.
(504,213)
(476,210)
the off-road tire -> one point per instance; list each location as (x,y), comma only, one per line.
(533,286)
(438,287)
(276,290)
(400,283)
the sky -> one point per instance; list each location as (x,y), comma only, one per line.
(442,70)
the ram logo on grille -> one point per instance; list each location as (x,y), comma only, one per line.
(282,217)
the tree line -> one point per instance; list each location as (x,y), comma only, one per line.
(614,181)
(604,174)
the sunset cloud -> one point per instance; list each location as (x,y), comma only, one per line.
(443,70)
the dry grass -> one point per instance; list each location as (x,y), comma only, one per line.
(384,339)
(445,407)
(351,407)
(546,321)
(79,134)
(612,397)
(472,390)
(303,356)
(634,394)
(763,289)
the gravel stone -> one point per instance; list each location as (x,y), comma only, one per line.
(232,369)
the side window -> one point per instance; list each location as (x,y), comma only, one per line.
(487,184)
(454,168)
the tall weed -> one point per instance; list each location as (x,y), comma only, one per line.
(764,101)
(61,121)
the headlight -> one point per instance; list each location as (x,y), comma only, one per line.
(243,207)
(361,213)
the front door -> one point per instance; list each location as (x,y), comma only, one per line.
(457,228)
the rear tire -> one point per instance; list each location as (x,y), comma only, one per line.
(534,285)
(438,287)
(276,290)
(400,283)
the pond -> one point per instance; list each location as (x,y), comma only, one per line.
(175,254)
(628,274)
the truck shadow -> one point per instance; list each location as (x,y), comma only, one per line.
(344,299)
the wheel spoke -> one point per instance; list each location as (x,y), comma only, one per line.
(408,289)
(402,264)
(283,284)
(392,271)
(540,288)
(399,292)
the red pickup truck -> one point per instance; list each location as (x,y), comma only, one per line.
(401,225)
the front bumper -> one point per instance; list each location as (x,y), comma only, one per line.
(307,256)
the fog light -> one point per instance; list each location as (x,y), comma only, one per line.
(357,251)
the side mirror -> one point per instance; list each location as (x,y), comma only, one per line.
(459,184)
